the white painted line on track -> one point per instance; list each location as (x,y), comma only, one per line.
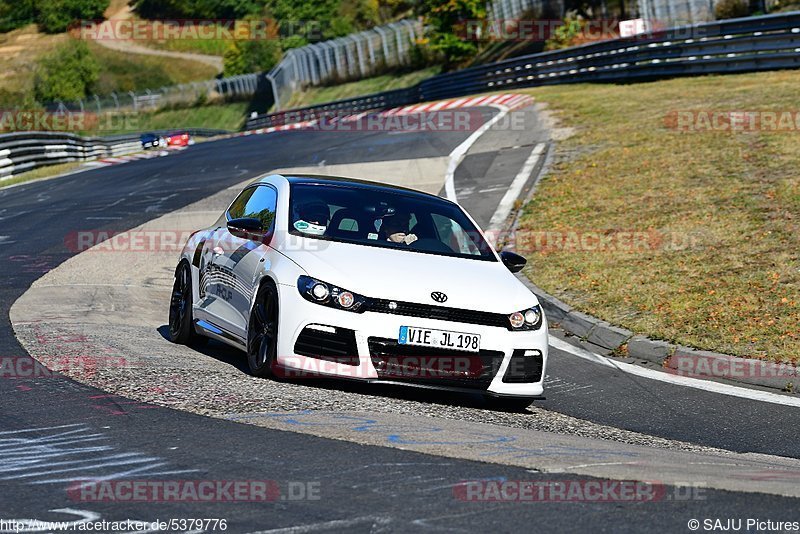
(507,202)
(458,153)
(335,525)
(678,380)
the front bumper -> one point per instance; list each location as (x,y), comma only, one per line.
(509,363)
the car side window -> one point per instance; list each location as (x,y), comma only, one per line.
(453,235)
(236,210)
(261,205)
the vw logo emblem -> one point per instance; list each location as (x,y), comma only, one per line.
(439,297)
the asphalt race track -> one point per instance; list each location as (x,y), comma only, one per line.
(56,431)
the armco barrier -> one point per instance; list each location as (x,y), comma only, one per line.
(384,100)
(24,151)
(769,42)
(20,152)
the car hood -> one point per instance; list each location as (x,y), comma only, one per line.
(412,276)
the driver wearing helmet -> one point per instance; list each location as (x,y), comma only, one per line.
(313,218)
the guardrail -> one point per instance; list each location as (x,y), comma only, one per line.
(352,57)
(20,152)
(25,151)
(769,42)
(235,87)
(384,100)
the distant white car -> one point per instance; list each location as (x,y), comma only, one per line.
(323,276)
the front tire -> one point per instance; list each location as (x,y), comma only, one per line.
(181,327)
(262,332)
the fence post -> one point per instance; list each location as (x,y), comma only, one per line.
(384,44)
(275,95)
(360,53)
(337,52)
(399,35)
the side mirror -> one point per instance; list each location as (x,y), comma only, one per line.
(513,261)
(248,228)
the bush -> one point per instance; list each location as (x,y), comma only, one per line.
(233,61)
(67,74)
(446,21)
(197,9)
(731,9)
(16,13)
(55,16)
(565,34)
(242,57)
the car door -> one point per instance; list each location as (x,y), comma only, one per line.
(236,261)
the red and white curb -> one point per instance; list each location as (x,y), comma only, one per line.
(125,158)
(509,101)
(505,102)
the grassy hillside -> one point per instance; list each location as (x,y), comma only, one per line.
(21,51)
(319,95)
(718,213)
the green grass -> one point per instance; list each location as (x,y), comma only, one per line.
(40,173)
(319,95)
(20,51)
(210,47)
(729,203)
(229,116)
(134,72)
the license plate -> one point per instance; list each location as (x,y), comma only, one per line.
(440,339)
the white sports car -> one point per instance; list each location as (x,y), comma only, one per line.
(322,276)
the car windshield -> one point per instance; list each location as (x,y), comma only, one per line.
(388,219)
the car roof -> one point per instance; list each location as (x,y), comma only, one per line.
(319,179)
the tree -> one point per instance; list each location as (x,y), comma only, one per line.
(233,60)
(16,13)
(55,16)
(197,9)
(448,21)
(69,73)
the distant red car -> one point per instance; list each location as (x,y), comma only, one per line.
(179,139)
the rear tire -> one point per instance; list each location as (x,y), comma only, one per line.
(181,325)
(262,332)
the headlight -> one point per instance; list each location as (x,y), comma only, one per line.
(529,319)
(320,292)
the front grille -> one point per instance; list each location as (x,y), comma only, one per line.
(523,369)
(339,346)
(425,311)
(434,366)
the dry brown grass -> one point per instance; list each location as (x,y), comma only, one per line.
(732,198)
